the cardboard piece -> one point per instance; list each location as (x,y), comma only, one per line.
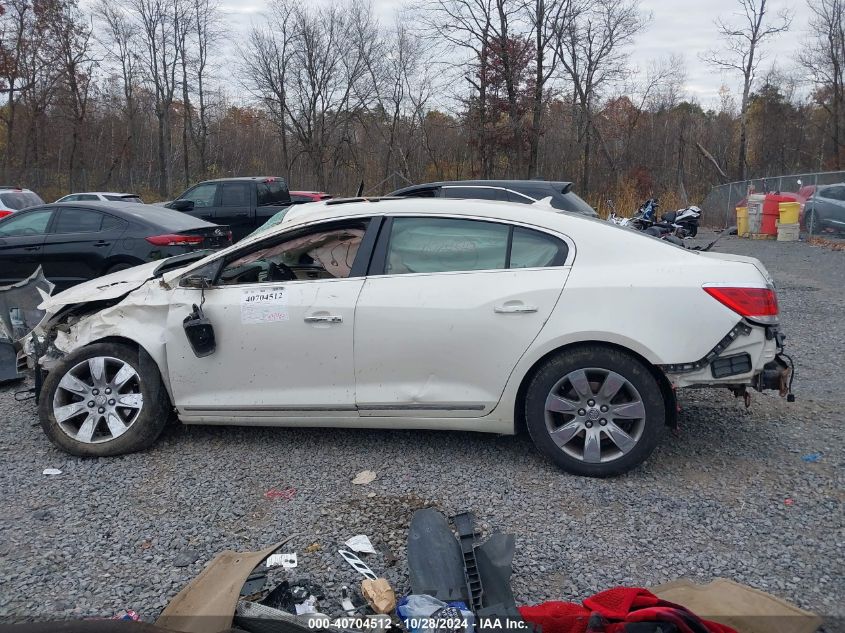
(379,595)
(743,608)
(208,602)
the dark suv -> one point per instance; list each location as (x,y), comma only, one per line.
(243,204)
(521,191)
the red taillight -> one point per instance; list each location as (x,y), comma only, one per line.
(3,214)
(757,304)
(174,240)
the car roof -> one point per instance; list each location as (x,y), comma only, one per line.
(101,193)
(560,185)
(144,213)
(11,188)
(244,178)
(539,215)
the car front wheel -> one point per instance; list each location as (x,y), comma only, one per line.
(104,399)
(595,411)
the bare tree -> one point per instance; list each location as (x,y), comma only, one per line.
(823,57)
(161,30)
(206,19)
(742,54)
(119,42)
(591,49)
(71,43)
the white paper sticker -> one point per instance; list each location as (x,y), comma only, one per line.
(264,305)
(360,543)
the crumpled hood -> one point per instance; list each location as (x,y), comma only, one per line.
(103,288)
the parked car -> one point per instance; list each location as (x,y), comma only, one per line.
(14,199)
(298,197)
(435,314)
(105,196)
(825,209)
(242,204)
(81,241)
(519,191)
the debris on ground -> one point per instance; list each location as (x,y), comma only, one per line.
(379,595)
(287,561)
(357,564)
(812,458)
(51,471)
(364,477)
(360,543)
(280,495)
(186,557)
(314,547)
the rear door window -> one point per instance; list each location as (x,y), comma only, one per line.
(435,245)
(236,194)
(533,249)
(74,220)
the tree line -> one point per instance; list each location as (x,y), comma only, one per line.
(153,95)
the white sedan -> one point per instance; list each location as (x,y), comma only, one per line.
(417,314)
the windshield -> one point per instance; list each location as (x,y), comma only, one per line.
(18,200)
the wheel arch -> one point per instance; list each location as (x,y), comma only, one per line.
(114,260)
(666,389)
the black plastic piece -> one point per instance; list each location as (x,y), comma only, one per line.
(731,365)
(254,582)
(200,332)
(465,525)
(435,562)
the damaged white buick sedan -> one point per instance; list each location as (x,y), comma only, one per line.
(416,314)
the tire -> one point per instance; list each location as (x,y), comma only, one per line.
(558,417)
(78,415)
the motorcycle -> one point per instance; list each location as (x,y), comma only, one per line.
(678,225)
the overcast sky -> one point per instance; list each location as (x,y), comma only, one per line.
(681,27)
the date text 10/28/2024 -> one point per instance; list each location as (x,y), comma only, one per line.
(431,624)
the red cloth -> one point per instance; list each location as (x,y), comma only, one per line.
(618,606)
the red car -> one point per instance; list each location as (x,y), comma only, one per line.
(299,197)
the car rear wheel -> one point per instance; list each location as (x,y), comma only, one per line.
(104,399)
(117,267)
(595,411)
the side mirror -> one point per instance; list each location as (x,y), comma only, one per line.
(182,205)
(196,281)
(200,333)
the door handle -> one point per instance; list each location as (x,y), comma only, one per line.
(245,214)
(102,243)
(514,308)
(31,248)
(326,318)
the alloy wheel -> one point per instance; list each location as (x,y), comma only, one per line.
(595,415)
(98,399)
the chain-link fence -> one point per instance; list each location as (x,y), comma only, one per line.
(719,207)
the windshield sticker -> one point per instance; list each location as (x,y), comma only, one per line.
(264,305)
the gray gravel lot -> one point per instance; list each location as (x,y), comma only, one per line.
(105,534)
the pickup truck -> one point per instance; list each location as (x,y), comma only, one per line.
(243,204)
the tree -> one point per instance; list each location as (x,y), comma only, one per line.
(591,49)
(742,54)
(823,58)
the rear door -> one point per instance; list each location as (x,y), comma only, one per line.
(449,307)
(234,207)
(78,244)
(21,241)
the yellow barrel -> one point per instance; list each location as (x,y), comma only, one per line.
(789,212)
(742,221)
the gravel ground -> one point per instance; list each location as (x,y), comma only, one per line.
(712,502)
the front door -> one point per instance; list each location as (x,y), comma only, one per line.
(234,208)
(458,302)
(283,313)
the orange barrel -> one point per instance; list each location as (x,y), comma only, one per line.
(771,213)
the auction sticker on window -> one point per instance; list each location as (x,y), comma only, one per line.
(264,305)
